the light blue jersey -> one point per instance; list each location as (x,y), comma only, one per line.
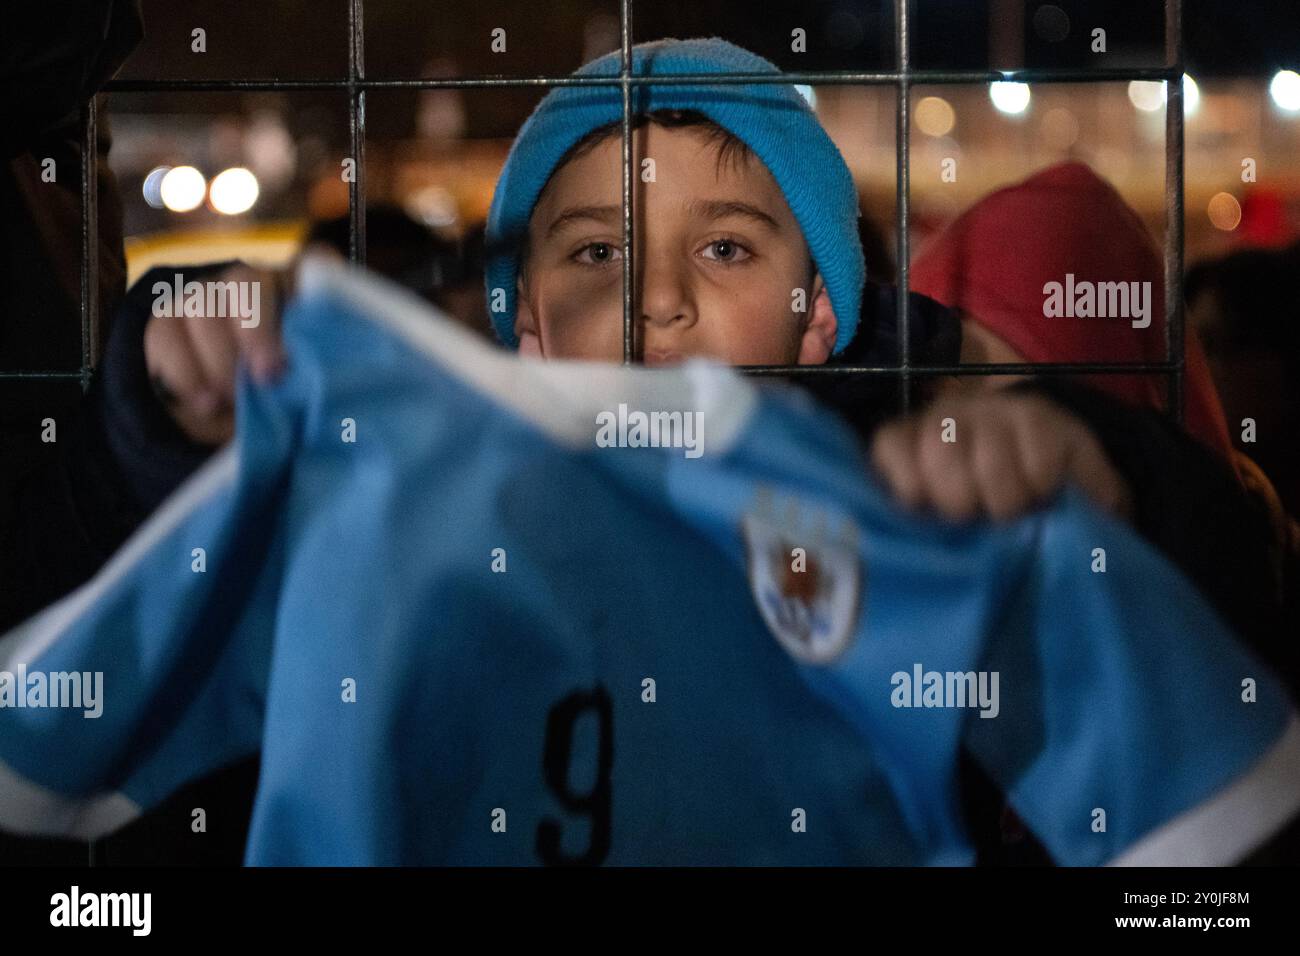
(476,608)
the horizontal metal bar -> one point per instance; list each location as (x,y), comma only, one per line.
(12,376)
(809,78)
(1018,368)
(1023,368)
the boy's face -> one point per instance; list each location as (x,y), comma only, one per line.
(718,256)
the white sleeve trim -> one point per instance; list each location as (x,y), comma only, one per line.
(28,809)
(1234,822)
(34,636)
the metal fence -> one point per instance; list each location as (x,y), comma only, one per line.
(902,78)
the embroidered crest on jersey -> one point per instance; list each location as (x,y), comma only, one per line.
(805,575)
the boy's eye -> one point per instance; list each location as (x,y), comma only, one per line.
(598,253)
(726,250)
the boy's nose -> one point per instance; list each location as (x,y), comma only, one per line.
(665,297)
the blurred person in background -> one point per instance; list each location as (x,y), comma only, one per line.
(53,58)
(993,264)
(446,273)
(1245,307)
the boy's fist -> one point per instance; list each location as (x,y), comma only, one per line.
(1012,451)
(191,359)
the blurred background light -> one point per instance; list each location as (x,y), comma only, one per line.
(269,151)
(1147,95)
(934,116)
(1010,98)
(1150,95)
(1051,23)
(434,206)
(1060,128)
(1191,95)
(1224,211)
(233,191)
(152,188)
(1285,90)
(182,188)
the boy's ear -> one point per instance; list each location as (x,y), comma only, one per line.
(530,342)
(821,327)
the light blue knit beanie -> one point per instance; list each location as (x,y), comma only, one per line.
(772,119)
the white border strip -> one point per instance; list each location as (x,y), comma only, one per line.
(28,809)
(561,398)
(1234,822)
(31,638)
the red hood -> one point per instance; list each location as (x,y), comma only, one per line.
(993,262)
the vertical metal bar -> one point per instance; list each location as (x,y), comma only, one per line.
(89,241)
(902,56)
(89,269)
(1175,335)
(1006,26)
(357,131)
(625,39)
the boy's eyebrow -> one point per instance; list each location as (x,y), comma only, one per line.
(708,208)
(721,208)
(599,213)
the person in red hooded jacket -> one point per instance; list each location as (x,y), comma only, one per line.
(999,264)
(995,266)
(996,263)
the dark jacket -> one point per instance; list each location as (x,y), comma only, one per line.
(54,56)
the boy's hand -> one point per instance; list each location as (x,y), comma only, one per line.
(1012,451)
(192,359)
